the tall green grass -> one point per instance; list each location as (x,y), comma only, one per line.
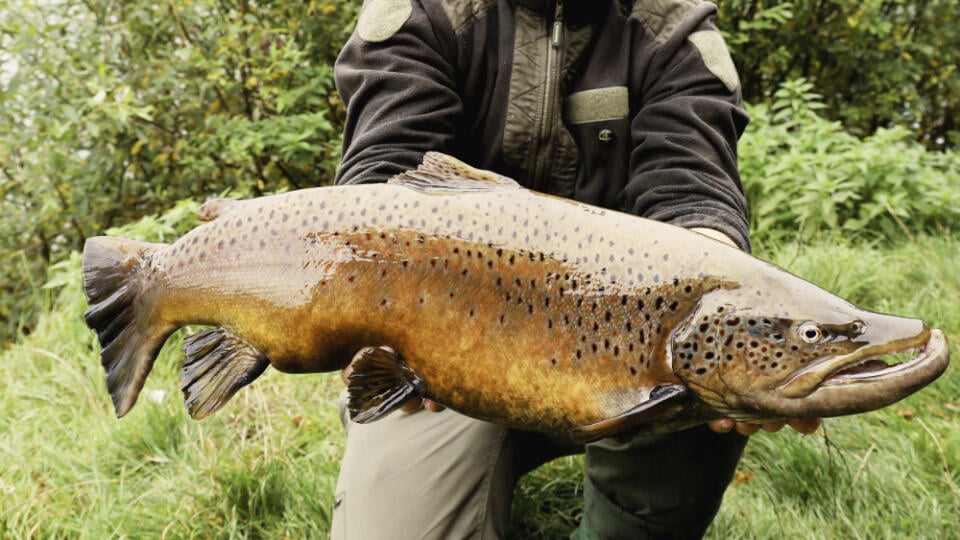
(265,466)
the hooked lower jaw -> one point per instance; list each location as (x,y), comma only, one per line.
(864,382)
(808,379)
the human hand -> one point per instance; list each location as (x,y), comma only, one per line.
(411,406)
(802,425)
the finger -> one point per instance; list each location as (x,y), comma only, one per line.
(432,406)
(773,426)
(805,425)
(747,429)
(721,425)
(411,406)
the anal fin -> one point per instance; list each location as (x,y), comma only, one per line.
(218,364)
(380,382)
(663,401)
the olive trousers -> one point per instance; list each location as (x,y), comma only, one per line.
(447,476)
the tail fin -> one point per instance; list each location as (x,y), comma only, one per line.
(112,281)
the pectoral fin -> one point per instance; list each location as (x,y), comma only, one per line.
(661,402)
(218,364)
(380,382)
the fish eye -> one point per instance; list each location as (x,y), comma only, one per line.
(810,332)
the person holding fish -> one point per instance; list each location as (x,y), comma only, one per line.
(628,105)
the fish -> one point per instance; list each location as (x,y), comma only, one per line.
(460,286)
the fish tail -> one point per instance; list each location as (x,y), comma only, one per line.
(112,280)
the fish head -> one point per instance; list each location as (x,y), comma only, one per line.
(803,355)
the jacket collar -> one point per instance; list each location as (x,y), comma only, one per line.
(574,10)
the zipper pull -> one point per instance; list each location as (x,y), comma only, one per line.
(556,33)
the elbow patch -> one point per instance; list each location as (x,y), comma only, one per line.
(716,57)
(381,19)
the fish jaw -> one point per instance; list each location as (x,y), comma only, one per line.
(855,383)
(882,335)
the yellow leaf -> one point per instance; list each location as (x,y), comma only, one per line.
(906,56)
(253,81)
(852,21)
(136,148)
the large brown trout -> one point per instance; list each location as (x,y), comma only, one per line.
(504,304)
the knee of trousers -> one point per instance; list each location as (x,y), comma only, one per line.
(423,475)
(664,486)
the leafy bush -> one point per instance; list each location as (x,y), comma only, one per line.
(806,176)
(114,110)
(878,64)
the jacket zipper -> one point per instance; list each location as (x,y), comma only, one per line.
(551,89)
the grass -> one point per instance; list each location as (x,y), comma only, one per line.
(265,466)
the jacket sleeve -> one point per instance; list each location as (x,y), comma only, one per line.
(397,82)
(683,165)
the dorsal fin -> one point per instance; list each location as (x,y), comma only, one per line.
(440,173)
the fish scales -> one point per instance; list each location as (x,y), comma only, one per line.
(340,280)
(507,305)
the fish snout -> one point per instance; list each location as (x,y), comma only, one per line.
(868,339)
(866,379)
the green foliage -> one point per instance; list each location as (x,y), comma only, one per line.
(111,110)
(877,63)
(70,469)
(807,177)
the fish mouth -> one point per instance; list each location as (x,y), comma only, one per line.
(890,364)
(867,379)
